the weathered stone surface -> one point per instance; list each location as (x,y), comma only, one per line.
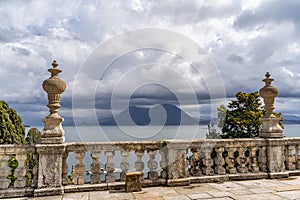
(79,168)
(54,86)
(110,167)
(133,182)
(50,170)
(178,182)
(40,192)
(20,171)
(4,171)
(86,187)
(199,196)
(270,127)
(276,159)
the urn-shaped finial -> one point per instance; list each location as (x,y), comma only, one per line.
(54,87)
(268,93)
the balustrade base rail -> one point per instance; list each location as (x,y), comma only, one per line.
(181,181)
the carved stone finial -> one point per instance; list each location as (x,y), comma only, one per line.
(54,86)
(54,64)
(270,124)
(268,80)
(268,93)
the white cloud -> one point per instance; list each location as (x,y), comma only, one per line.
(244,39)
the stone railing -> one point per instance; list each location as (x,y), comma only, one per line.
(18,170)
(103,165)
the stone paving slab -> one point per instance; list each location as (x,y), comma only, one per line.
(290,194)
(48,198)
(261,197)
(199,196)
(241,192)
(261,190)
(77,195)
(196,188)
(155,192)
(227,186)
(277,189)
(109,195)
(218,195)
(177,197)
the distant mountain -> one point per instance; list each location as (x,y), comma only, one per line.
(165,114)
(291,119)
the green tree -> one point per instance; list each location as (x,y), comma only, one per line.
(12,130)
(242,116)
(213,133)
(33,136)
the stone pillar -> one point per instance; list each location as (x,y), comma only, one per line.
(51,148)
(271,130)
(177,164)
(270,127)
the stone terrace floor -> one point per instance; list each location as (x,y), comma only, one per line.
(264,189)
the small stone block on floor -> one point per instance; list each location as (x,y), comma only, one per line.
(133,182)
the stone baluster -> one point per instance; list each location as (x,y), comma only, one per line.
(164,162)
(95,167)
(110,167)
(152,165)
(139,164)
(195,163)
(207,161)
(35,171)
(183,163)
(253,160)
(262,159)
(79,168)
(230,160)
(290,158)
(124,165)
(298,157)
(20,171)
(65,169)
(4,170)
(242,160)
(219,161)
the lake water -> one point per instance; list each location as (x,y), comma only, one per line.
(137,133)
(132,133)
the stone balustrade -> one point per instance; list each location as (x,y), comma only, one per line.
(102,165)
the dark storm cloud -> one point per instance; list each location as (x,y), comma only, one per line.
(235,58)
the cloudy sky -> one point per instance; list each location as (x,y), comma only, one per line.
(243,40)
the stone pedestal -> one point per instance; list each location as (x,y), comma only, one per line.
(53,132)
(133,182)
(177,174)
(275,157)
(270,128)
(50,169)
